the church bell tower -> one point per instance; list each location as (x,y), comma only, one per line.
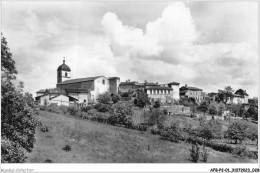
(63,72)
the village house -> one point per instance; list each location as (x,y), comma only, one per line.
(165,93)
(193,92)
(54,95)
(239,97)
(83,90)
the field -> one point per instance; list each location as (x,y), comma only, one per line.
(93,142)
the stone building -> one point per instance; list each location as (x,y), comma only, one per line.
(192,92)
(83,90)
(239,97)
(165,93)
(54,95)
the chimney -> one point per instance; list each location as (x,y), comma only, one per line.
(186,85)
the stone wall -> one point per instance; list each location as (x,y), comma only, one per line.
(177,109)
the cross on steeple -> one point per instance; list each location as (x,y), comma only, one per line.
(63,59)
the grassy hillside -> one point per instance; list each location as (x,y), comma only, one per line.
(93,142)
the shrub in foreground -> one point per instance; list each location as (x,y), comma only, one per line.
(195,152)
(204,154)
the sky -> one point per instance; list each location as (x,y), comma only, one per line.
(208,45)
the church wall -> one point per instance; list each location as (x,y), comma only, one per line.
(89,85)
(101,85)
(64,77)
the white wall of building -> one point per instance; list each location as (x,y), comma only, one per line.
(63,74)
(101,85)
(175,92)
(80,96)
(60,100)
(44,99)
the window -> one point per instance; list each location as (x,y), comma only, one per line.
(103,81)
(66,74)
(59,74)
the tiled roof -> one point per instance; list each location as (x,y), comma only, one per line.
(80,80)
(158,87)
(128,83)
(77,90)
(56,91)
(41,91)
(72,98)
(147,84)
(114,78)
(241,92)
(174,83)
(190,88)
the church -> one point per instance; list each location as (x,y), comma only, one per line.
(76,91)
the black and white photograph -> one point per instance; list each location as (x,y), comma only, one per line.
(133,82)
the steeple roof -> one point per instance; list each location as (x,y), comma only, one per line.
(63,67)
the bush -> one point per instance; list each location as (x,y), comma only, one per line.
(142,127)
(102,107)
(195,152)
(116,98)
(42,108)
(141,98)
(212,110)
(121,114)
(154,130)
(53,107)
(215,146)
(73,110)
(157,117)
(86,108)
(104,98)
(157,104)
(204,154)
(63,109)
(244,152)
(12,152)
(173,133)
(102,117)
(210,130)
(48,161)
(67,148)
(43,128)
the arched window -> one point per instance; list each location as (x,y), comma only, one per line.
(103,81)
(66,74)
(59,74)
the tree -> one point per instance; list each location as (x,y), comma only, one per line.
(157,117)
(210,129)
(18,113)
(104,98)
(223,95)
(252,111)
(141,98)
(7,63)
(203,107)
(115,98)
(221,108)
(157,104)
(237,131)
(212,110)
(241,111)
